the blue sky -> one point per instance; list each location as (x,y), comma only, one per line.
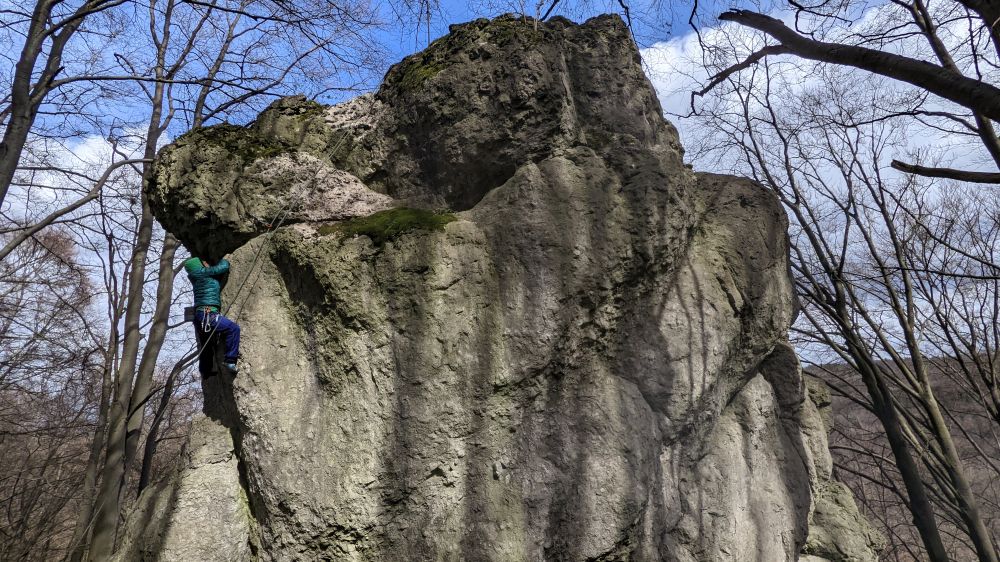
(650,25)
(404,40)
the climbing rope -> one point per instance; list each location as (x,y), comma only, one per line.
(276,222)
(271,227)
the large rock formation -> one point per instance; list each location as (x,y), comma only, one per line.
(488,314)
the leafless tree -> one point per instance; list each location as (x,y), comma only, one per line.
(948,50)
(46,31)
(876,294)
(50,352)
(123,77)
(876,291)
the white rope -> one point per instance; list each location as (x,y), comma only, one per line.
(276,223)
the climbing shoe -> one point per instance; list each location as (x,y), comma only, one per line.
(231,368)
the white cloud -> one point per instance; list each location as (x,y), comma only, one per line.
(56,173)
(676,68)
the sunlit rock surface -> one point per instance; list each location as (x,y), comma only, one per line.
(490,315)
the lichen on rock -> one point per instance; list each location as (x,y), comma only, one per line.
(387,225)
(500,320)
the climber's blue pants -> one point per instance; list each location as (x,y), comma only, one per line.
(209,323)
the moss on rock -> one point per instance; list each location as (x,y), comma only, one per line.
(241,141)
(387,225)
(309,108)
(411,73)
(416,72)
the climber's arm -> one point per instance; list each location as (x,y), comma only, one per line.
(220,268)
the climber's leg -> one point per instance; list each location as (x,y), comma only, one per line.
(230,332)
(206,361)
(206,344)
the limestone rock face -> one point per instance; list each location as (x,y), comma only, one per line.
(488,314)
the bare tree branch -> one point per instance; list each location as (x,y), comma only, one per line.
(948,173)
(973,94)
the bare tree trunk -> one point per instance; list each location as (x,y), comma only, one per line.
(149,450)
(78,546)
(969,506)
(113,481)
(109,497)
(26,97)
(919,502)
(157,331)
(22,110)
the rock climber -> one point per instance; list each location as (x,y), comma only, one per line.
(207,281)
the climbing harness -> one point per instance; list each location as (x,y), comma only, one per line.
(206,321)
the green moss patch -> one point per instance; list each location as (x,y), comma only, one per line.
(415,70)
(240,141)
(507,28)
(310,108)
(393,223)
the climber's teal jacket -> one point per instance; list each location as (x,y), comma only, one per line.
(207,281)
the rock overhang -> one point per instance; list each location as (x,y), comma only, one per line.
(585,350)
(515,91)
